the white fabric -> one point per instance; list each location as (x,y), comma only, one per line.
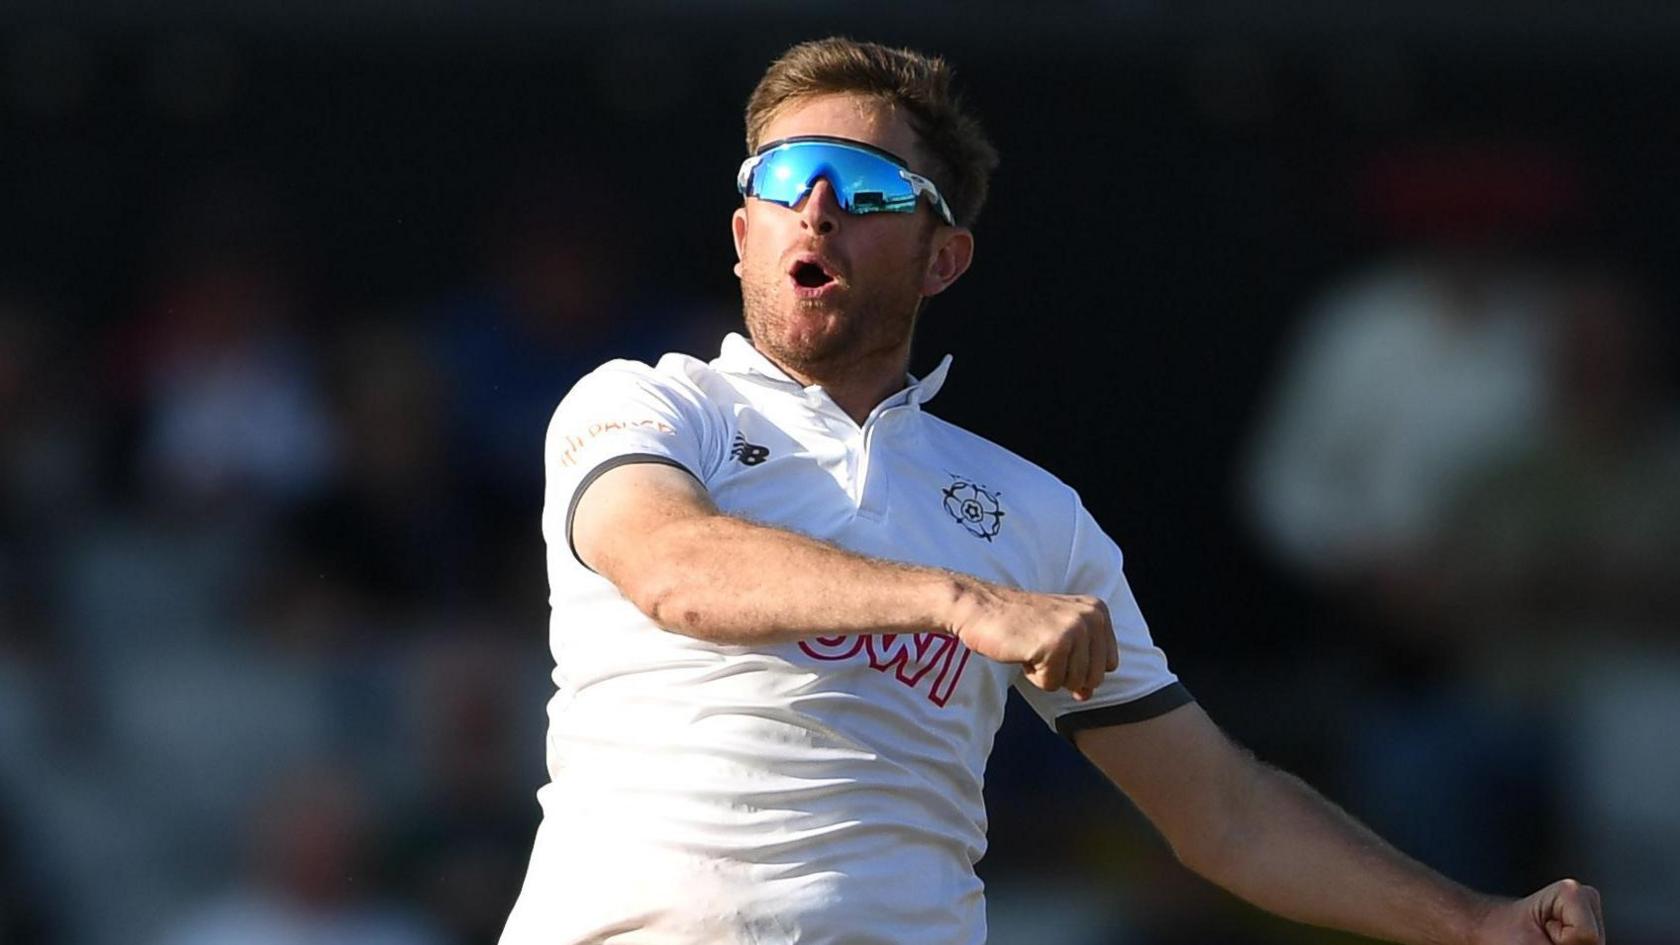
(825,791)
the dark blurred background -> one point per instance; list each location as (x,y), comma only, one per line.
(1353,323)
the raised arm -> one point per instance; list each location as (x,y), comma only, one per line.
(1267,837)
(652,530)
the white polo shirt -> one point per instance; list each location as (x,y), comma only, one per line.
(825,791)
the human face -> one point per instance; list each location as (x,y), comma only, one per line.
(824,291)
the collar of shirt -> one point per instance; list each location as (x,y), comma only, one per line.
(740,357)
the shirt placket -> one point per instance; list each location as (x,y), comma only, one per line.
(870,489)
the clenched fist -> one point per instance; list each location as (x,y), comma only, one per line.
(1062,641)
(1564,913)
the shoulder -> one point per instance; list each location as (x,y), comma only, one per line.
(676,372)
(623,402)
(679,381)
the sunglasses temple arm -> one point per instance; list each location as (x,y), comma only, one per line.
(922,186)
(743,177)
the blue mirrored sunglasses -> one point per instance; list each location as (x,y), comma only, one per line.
(865,179)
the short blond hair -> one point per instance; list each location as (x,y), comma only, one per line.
(962,158)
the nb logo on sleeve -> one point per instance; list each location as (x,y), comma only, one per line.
(748,453)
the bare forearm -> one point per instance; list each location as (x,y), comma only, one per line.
(655,534)
(1269,838)
(1298,855)
(731,581)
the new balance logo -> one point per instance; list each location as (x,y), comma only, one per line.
(747,453)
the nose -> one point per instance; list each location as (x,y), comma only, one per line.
(820,210)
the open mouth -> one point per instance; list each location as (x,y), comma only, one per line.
(809,275)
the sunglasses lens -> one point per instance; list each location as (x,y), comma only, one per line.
(862,182)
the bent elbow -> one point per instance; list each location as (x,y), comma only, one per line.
(671,609)
(650,591)
(666,600)
(670,582)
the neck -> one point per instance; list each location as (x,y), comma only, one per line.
(857,387)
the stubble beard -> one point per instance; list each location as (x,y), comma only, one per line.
(827,338)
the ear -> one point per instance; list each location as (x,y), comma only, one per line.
(953,250)
(738,226)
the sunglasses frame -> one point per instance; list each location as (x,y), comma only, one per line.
(919,186)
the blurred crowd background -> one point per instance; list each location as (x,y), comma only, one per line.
(1356,330)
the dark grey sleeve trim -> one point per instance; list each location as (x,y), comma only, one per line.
(1159,702)
(606,465)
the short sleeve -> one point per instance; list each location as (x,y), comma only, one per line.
(1142,687)
(621,413)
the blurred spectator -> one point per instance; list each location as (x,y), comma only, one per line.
(561,292)
(306,881)
(1413,372)
(232,402)
(1409,380)
(1560,577)
(217,382)
(228,430)
(1584,523)
(1405,379)
(1407,383)
(232,413)
(397,522)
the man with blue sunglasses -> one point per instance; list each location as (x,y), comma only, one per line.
(789,602)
